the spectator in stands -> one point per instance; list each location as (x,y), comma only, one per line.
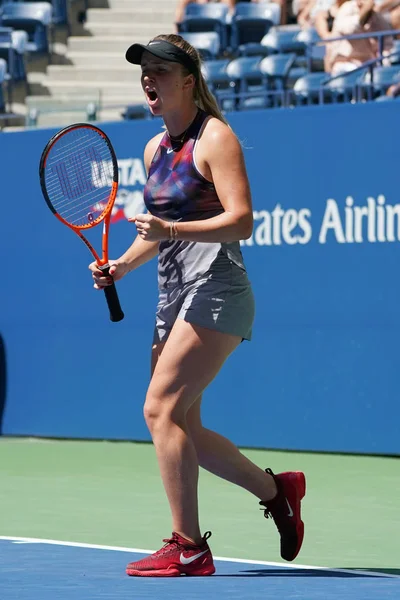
(390,10)
(301,11)
(394,90)
(355,16)
(323,15)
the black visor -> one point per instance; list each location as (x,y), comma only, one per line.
(164,50)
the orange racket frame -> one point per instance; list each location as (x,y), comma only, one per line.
(116,313)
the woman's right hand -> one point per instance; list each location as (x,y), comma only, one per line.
(117,271)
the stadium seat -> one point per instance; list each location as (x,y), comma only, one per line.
(385,98)
(3,73)
(246,77)
(60,10)
(250,22)
(252,49)
(395,59)
(245,71)
(207,43)
(314,53)
(207,17)
(294,74)
(214,72)
(219,82)
(345,87)
(32,17)
(309,89)
(276,69)
(283,40)
(136,111)
(382,79)
(12,50)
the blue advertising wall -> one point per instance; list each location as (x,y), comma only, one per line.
(322,372)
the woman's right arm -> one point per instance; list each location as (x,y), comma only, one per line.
(141,251)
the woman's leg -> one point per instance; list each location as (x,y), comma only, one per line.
(221,457)
(188,362)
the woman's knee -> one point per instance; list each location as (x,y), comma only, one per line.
(161,413)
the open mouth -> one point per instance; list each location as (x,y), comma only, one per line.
(152,96)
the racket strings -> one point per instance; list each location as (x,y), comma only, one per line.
(79,176)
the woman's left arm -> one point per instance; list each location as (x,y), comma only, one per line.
(220,152)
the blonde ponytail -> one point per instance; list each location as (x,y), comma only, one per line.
(202,95)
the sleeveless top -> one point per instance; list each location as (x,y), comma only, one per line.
(176,191)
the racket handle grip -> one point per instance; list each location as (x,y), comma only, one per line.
(110,292)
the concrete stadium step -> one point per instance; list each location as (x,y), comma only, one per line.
(101,91)
(94,74)
(76,107)
(126,15)
(61,119)
(131,29)
(104,44)
(93,59)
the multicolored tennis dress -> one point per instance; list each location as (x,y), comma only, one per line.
(204,283)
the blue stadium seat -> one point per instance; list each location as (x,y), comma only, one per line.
(316,53)
(207,17)
(60,10)
(136,111)
(207,43)
(32,17)
(246,77)
(307,89)
(12,50)
(219,82)
(382,78)
(283,40)
(385,98)
(276,69)
(245,71)
(215,74)
(250,22)
(3,73)
(395,60)
(345,87)
(295,73)
(252,49)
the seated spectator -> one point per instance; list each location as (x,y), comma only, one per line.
(323,14)
(355,16)
(303,10)
(282,3)
(394,90)
(390,10)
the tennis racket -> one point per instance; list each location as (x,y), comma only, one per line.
(79,179)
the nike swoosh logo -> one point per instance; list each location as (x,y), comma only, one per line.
(187,560)
(290,513)
(169,150)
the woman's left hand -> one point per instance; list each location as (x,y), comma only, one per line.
(151,228)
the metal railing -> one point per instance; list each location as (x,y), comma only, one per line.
(379,35)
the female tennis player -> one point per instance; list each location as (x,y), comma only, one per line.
(199,207)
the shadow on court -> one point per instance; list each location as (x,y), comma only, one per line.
(289,573)
(382,570)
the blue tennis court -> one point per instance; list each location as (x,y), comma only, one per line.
(46,570)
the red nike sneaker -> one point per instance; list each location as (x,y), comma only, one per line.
(285,511)
(177,557)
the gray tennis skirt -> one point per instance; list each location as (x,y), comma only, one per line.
(221,299)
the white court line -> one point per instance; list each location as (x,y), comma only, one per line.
(24,540)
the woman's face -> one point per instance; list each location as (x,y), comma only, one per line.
(162,82)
